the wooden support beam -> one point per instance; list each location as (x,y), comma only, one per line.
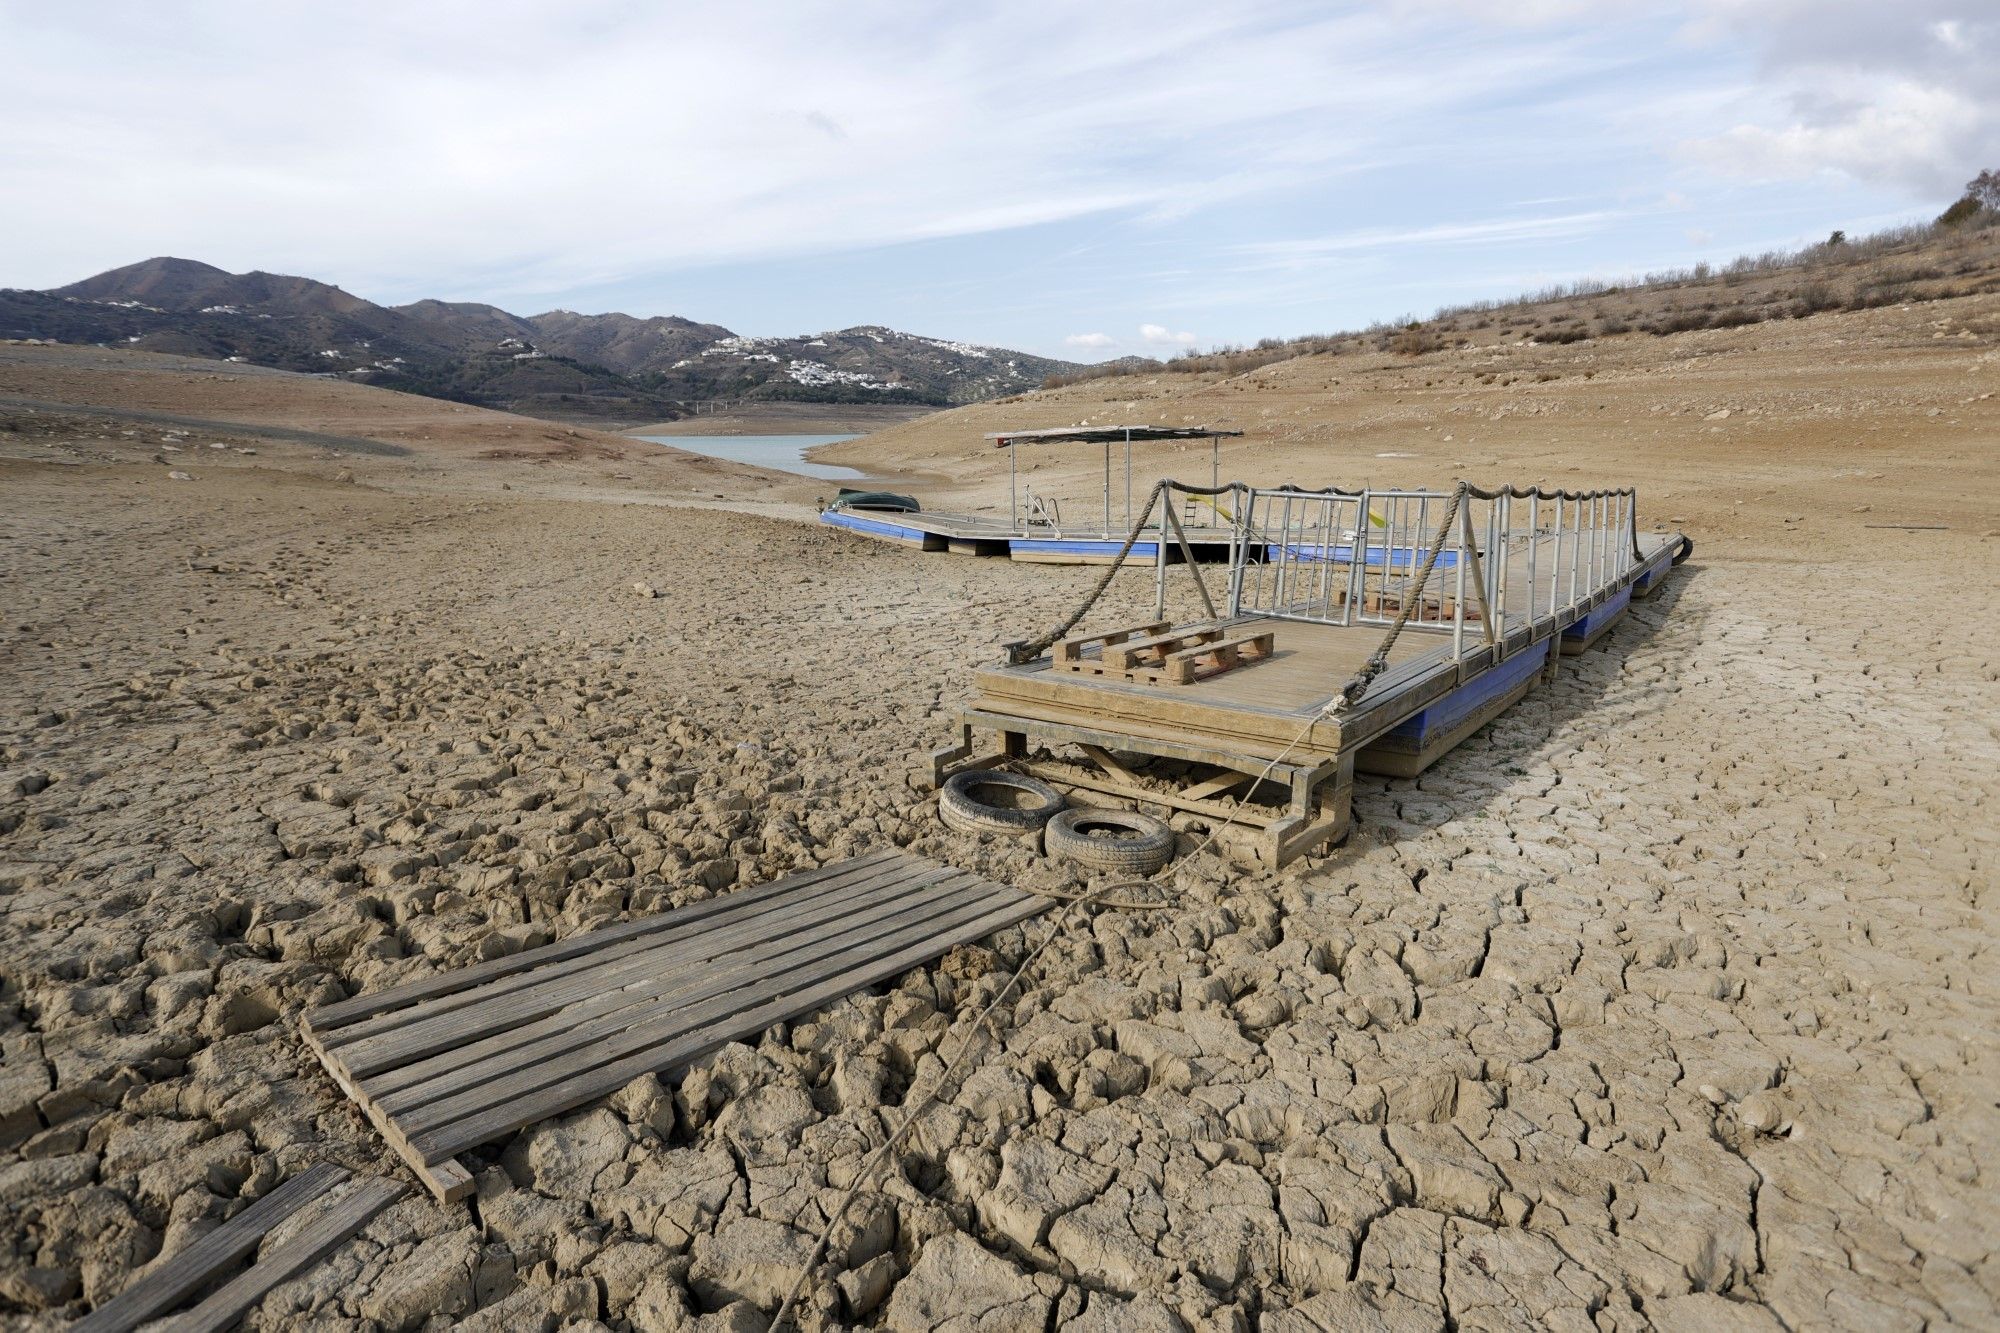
(1102,758)
(1069,777)
(1227,780)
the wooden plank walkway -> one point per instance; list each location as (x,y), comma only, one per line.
(460,1059)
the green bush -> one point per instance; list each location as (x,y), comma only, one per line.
(1959,213)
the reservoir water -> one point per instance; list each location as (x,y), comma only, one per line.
(785,452)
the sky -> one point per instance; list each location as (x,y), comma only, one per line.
(1076,181)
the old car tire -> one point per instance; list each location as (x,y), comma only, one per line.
(991,800)
(1115,840)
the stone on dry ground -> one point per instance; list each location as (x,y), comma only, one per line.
(1667,1000)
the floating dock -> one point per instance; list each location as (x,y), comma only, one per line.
(1400,622)
(972,534)
(1036,528)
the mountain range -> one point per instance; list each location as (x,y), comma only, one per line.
(560,364)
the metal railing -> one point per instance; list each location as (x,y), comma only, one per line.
(1516,559)
(1043,512)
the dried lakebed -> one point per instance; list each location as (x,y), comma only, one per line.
(1665,1001)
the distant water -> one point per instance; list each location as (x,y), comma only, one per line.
(784,452)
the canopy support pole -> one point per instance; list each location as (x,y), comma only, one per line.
(1107,488)
(1013,489)
(1128,479)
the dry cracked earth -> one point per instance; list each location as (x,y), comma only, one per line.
(1667,1001)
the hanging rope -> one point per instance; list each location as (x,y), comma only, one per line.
(1029,650)
(1378,661)
(1537,493)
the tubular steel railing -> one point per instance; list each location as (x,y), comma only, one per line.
(1515,558)
(1043,512)
(1508,565)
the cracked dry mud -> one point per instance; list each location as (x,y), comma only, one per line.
(1666,1001)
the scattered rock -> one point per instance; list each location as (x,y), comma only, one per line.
(959,1285)
(748,1259)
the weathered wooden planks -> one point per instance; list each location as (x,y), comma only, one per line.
(339,1218)
(179,1276)
(462,980)
(456,1060)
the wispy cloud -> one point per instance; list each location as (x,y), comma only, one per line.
(1159,335)
(1906,94)
(1451,233)
(572,147)
(1090,340)
(996,173)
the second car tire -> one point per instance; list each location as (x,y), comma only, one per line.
(1115,840)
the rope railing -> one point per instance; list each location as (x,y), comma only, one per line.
(1540,493)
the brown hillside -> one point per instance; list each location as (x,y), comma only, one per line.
(1765,435)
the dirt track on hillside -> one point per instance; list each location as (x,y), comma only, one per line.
(1667,1000)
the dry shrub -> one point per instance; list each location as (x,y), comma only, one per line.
(1881,269)
(1416,341)
(1813,297)
(1677,321)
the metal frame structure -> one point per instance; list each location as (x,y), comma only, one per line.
(1514,565)
(1011,440)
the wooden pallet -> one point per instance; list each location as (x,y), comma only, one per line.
(1067,652)
(1146,655)
(460,1059)
(1431,610)
(1435,608)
